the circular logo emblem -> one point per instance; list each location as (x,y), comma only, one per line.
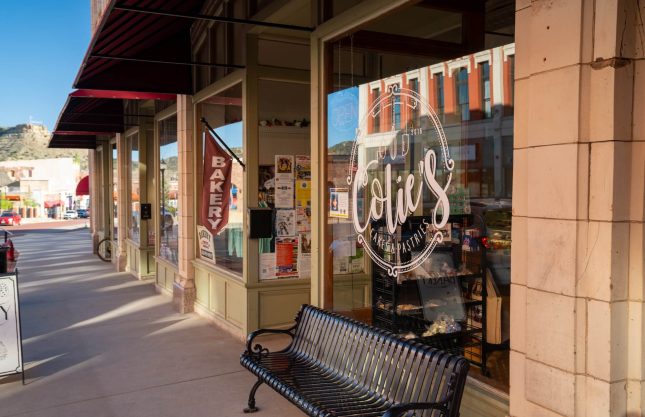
(399,173)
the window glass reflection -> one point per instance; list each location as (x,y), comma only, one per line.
(168,190)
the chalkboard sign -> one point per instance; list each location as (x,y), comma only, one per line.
(10,338)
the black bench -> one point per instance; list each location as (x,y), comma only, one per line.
(335,366)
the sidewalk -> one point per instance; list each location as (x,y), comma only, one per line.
(99,343)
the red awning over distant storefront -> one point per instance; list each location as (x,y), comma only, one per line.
(54,203)
(83,186)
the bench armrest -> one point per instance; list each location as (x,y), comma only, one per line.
(258,349)
(400,409)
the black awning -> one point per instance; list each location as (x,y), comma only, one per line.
(82,141)
(100,115)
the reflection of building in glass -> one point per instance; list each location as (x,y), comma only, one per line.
(472,96)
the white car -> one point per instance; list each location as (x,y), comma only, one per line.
(70,214)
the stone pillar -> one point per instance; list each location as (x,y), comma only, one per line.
(94,184)
(577,259)
(122,202)
(184,287)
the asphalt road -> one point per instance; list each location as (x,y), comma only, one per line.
(46,226)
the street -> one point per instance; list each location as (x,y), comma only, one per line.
(100,343)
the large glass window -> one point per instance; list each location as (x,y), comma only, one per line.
(168,190)
(223,111)
(135,191)
(419,218)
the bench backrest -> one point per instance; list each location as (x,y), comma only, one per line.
(379,361)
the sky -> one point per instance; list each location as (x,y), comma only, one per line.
(42,45)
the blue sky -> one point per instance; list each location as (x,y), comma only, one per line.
(42,44)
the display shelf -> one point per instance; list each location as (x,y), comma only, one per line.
(430,297)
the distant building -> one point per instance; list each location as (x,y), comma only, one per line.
(45,183)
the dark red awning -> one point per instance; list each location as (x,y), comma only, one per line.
(133,51)
(54,203)
(83,186)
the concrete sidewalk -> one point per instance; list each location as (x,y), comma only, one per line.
(99,343)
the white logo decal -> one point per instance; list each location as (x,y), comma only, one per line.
(372,180)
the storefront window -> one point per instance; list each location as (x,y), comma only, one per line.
(284,180)
(223,111)
(420,215)
(133,173)
(168,190)
(115,194)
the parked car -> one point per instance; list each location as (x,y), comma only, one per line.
(83,213)
(70,214)
(10,218)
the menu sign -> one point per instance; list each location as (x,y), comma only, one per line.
(10,339)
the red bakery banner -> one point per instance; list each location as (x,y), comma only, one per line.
(216,186)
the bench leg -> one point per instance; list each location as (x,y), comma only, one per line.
(252,408)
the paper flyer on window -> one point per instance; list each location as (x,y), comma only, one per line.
(303,219)
(206,244)
(303,167)
(339,203)
(285,222)
(267,266)
(286,257)
(284,168)
(304,256)
(283,193)
(303,193)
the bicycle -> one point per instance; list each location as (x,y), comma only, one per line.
(104,249)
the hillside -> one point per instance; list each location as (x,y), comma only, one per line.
(29,141)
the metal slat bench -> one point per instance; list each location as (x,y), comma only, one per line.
(335,366)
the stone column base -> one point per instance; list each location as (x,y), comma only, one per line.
(120,262)
(183,299)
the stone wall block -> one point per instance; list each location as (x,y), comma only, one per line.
(551,22)
(583,182)
(553,178)
(598,397)
(521,120)
(635,362)
(637,181)
(554,117)
(636,260)
(535,410)
(550,318)
(638,120)
(517,406)
(550,387)
(602,261)
(520,250)
(610,90)
(520,184)
(523,43)
(552,240)
(607,354)
(581,336)
(606,31)
(518,318)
